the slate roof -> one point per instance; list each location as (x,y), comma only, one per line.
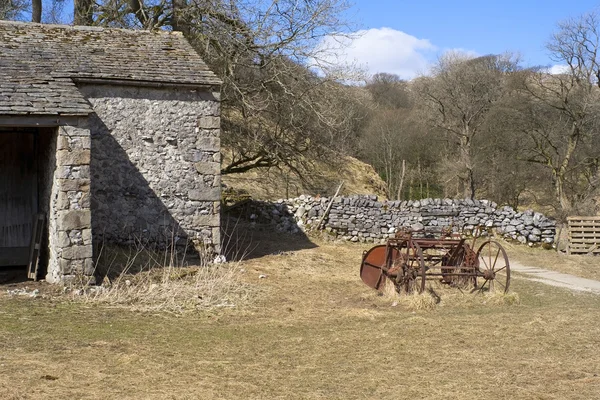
(39,63)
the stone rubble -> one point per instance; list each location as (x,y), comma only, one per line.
(366,219)
(23,292)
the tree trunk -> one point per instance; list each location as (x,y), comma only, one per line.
(561,172)
(561,196)
(36,11)
(465,160)
(401,184)
(179,23)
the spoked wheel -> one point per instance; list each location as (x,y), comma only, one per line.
(493,272)
(413,267)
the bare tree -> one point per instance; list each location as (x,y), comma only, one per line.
(560,113)
(389,91)
(12,9)
(275,108)
(457,99)
(400,149)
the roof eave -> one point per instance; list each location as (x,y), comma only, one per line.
(214,85)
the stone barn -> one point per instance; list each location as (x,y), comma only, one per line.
(106,136)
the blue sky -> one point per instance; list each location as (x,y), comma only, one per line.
(419,31)
(405,37)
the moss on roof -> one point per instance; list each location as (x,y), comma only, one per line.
(38,64)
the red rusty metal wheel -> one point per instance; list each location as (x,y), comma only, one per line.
(373,263)
(493,271)
(413,267)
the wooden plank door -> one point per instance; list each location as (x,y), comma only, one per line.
(18,196)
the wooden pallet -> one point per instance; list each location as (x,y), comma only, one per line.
(584,235)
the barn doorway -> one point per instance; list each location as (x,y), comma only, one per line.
(27,164)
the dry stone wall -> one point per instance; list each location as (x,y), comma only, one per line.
(155,165)
(366,219)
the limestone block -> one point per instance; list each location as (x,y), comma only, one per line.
(84,202)
(84,142)
(80,172)
(206,220)
(73,157)
(86,235)
(216,238)
(205,194)
(63,240)
(63,172)
(209,122)
(74,219)
(78,252)
(89,267)
(74,142)
(62,143)
(208,144)
(195,155)
(64,266)
(67,185)
(208,168)
(62,201)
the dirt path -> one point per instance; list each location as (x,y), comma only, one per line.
(557,279)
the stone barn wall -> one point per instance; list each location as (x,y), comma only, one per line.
(365,219)
(155,166)
(68,209)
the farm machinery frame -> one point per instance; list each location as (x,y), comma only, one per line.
(411,258)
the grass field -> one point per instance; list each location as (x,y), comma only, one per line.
(311,331)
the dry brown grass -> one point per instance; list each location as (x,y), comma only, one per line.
(312,331)
(142,279)
(323,178)
(171,289)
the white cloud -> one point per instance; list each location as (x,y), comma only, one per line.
(379,50)
(558,69)
(463,52)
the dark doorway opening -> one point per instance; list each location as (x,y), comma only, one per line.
(27,164)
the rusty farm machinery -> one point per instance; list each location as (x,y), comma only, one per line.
(411,258)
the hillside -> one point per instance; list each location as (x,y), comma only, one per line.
(322,178)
